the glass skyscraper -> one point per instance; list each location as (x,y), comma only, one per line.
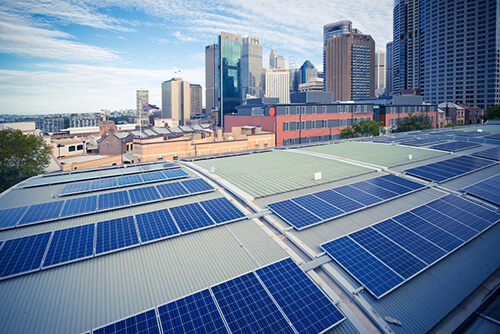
(229,75)
(251,67)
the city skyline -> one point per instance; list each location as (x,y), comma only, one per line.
(59,57)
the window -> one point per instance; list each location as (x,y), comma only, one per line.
(79,147)
(287,111)
(314,110)
(71,148)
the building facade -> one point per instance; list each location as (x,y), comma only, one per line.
(84,120)
(50,124)
(196,99)
(278,84)
(251,67)
(142,117)
(388,68)
(380,71)
(229,77)
(276,61)
(211,77)
(307,72)
(176,100)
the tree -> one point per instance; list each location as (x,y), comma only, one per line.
(364,128)
(493,112)
(413,122)
(21,156)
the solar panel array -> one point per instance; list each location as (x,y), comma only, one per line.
(455,146)
(492,153)
(446,133)
(489,190)
(103,173)
(422,142)
(279,298)
(472,134)
(391,139)
(495,136)
(306,211)
(448,169)
(21,255)
(121,181)
(383,256)
(39,213)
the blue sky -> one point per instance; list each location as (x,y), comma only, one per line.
(83,56)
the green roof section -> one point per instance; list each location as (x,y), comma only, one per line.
(275,172)
(378,154)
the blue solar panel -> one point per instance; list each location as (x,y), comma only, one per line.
(70,244)
(115,234)
(294,214)
(197,185)
(378,278)
(156,225)
(472,134)
(492,153)
(402,182)
(374,190)
(421,142)
(175,173)
(11,216)
(488,190)
(174,189)
(153,177)
(222,210)
(445,133)
(318,207)
(104,184)
(455,146)
(248,308)
(191,217)
(495,136)
(143,323)
(357,195)
(23,254)
(393,187)
(196,313)
(307,308)
(128,180)
(144,194)
(41,212)
(77,206)
(485,214)
(340,201)
(75,188)
(390,253)
(113,200)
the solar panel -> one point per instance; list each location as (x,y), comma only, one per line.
(76,188)
(41,212)
(340,201)
(488,190)
(294,214)
(81,205)
(492,153)
(476,210)
(196,313)
(472,134)
(222,210)
(23,254)
(173,189)
(317,206)
(115,234)
(304,304)
(374,190)
(70,244)
(495,136)
(402,182)
(128,180)
(153,177)
(104,184)
(151,167)
(11,216)
(156,225)
(175,173)
(357,195)
(144,194)
(113,200)
(445,133)
(455,146)
(247,307)
(191,217)
(395,188)
(197,186)
(391,139)
(142,323)
(421,142)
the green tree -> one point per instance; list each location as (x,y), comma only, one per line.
(414,122)
(364,128)
(493,112)
(21,156)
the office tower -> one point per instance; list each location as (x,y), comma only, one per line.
(176,100)
(142,117)
(388,72)
(350,67)
(406,46)
(294,79)
(229,88)
(380,61)
(461,59)
(251,67)
(211,77)
(278,84)
(196,97)
(276,61)
(307,72)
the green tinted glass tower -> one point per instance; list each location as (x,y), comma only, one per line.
(229,74)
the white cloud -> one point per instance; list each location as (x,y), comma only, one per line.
(183,38)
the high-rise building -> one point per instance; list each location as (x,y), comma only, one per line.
(176,100)
(142,117)
(229,79)
(251,67)
(276,61)
(196,99)
(278,84)
(307,72)
(461,58)
(211,76)
(350,67)
(388,68)
(380,64)
(294,79)
(406,46)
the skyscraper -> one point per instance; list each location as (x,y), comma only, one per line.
(278,84)
(388,68)
(251,67)
(461,58)
(350,67)
(142,117)
(307,72)
(229,79)
(176,100)
(211,76)
(196,99)
(276,61)
(380,64)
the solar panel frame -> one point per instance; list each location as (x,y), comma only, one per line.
(11,216)
(177,173)
(318,207)
(197,186)
(153,177)
(38,213)
(79,206)
(358,195)
(375,190)
(487,190)
(294,214)
(340,201)
(191,217)
(103,184)
(141,323)
(114,200)
(455,146)
(116,234)
(172,190)
(221,210)
(129,180)
(144,195)
(156,225)
(76,188)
